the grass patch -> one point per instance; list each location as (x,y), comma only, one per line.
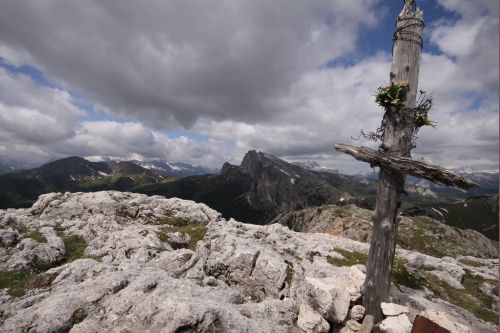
(75,247)
(19,282)
(36,235)
(289,273)
(78,316)
(15,281)
(469,262)
(350,258)
(175,221)
(401,276)
(399,273)
(194,230)
(471,298)
(423,238)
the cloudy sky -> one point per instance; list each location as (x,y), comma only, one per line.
(205,81)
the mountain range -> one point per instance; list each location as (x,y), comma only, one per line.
(259,189)
(174,169)
(262,186)
(73,174)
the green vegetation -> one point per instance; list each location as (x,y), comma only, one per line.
(424,238)
(78,316)
(289,273)
(18,282)
(75,247)
(399,273)
(401,276)
(471,298)
(422,120)
(470,262)
(479,213)
(36,235)
(393,94)
(350,258)
(175,221)
(195,230)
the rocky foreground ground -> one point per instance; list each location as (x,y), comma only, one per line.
(124,262)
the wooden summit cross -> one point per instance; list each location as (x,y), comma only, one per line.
(402,118)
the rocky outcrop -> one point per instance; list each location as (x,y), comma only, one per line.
(422,234)
(278,186)
(236,278)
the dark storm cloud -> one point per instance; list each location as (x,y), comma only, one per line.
(172,61)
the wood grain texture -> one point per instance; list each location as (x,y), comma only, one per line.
(397,142)
(434,173)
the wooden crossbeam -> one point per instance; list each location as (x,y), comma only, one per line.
(406,165)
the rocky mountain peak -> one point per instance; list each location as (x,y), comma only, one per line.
(226,168)
(254,162)
(251,162)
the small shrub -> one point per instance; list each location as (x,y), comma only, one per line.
(393,94)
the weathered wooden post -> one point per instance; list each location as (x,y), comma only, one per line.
(401,119)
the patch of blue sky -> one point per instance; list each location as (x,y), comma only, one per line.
(39,77)
(375,39)
(34,73)
(472,102)
(177,133)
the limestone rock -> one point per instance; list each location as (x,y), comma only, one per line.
(331,302)
(353,325)
(357,312)
(355,223)
(396,324)
(9,237)
(31,254)
(178,239)
(445,321)
(392,309)
(239,277)
(310,321)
